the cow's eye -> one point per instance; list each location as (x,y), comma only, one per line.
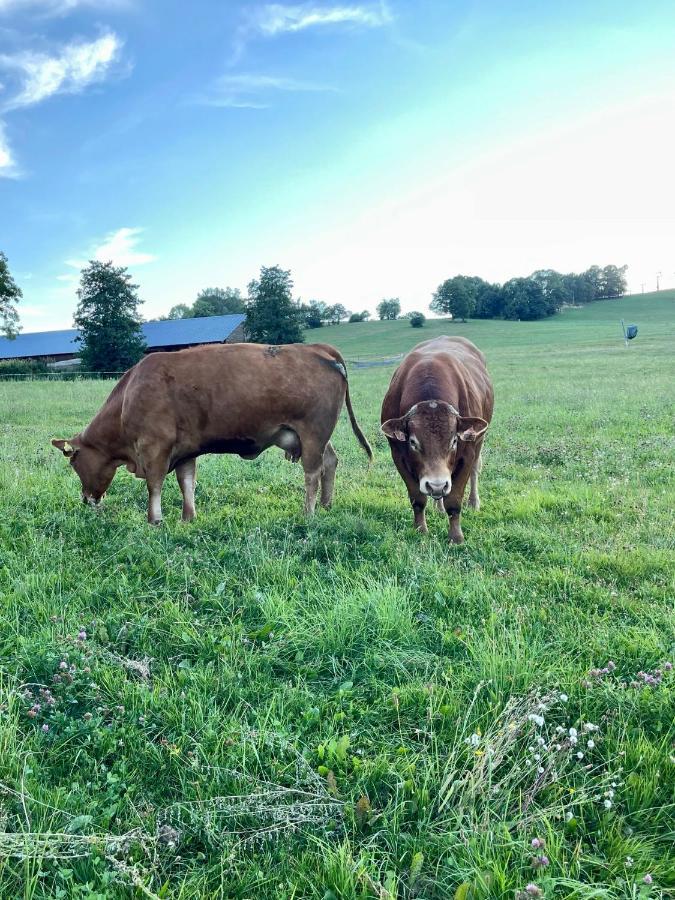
(453,443)
(414,443)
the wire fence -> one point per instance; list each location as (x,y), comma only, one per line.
(74,374)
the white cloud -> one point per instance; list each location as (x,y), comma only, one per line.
(58,7)
(7,164)
(279,18)
(74,68)
(250,91)
(119,247)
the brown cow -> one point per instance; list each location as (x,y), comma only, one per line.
(435,414)
(225,398)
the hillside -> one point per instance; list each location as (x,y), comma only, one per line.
(654,313)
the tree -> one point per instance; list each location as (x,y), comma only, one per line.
(10,294)
(360,317)
(456,296)
(271,315)
(488,301)
(614,281)
(217,302)
(108,319)
(314,313)
(577,288)
(336,313)
(594,279)
(389,309)
(417,319)
(556,291)
(179,311)
(523,299)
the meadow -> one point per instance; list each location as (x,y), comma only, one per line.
(259,706)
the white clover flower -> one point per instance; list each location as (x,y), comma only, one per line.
(573,740)
(563,698)
(607,804)
(590,744)
(540,770)
(580,755)
(573,732)
(474,740)
(589,726)
(558,747)
(541,741)
(538,720)
(559,729)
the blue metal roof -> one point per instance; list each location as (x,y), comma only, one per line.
(172,333)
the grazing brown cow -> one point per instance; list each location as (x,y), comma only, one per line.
(435,414)
(225,398)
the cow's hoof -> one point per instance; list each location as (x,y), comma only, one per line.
(154,522)
(457,538)
(474,503)
(422,529)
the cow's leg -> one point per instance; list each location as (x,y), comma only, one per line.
(155,472)
(155,498)
(312,463)
(453,502)
(330,461)
(418,500)
(474,499)
(186,476)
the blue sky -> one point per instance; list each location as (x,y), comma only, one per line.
(374,148)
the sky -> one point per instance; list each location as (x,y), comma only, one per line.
(372,148)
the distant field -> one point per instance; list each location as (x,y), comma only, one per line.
(263,707)
(595,325)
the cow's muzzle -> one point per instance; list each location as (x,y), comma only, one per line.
(435,488)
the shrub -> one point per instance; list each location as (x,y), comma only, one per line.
(417,319)
(23,366)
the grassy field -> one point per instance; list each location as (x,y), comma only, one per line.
(256,706)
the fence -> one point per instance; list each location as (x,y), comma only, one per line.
(361,362)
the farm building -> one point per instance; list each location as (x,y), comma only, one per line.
(175,334)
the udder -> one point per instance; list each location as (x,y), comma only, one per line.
(289,442)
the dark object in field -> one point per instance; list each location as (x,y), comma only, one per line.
(435,414)
(227,398)
(629,332)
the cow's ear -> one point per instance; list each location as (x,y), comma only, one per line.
(470,428)
(394,429)
(65,447)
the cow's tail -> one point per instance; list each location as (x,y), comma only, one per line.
(360,436)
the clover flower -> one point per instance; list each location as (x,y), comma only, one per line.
(537,843)
(648,879)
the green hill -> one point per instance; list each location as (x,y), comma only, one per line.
(599,322)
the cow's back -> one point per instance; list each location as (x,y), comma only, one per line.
(200,390)
(444,368)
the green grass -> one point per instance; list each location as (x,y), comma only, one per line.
(339,708)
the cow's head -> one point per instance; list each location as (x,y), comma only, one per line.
(95,469)
(430,435)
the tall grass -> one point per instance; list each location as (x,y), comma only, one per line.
(256,706)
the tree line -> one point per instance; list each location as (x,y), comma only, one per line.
(541,294)
(109,320)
